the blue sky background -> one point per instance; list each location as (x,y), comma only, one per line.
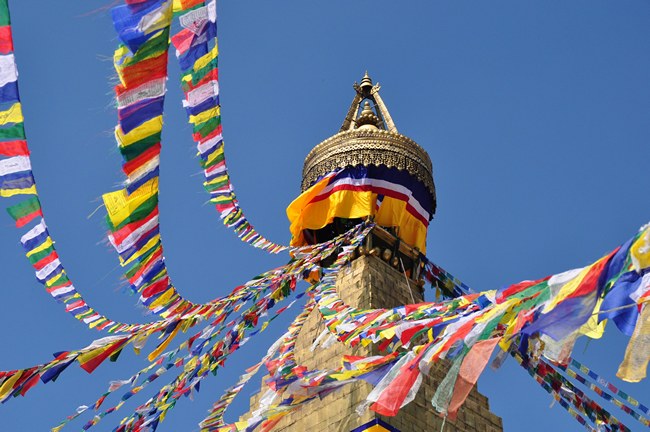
(535,114)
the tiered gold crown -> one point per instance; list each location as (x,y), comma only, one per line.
(368,136)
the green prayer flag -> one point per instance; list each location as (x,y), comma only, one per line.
(205,128)
(134,150)
(17,131)
(24,208)
(5,20)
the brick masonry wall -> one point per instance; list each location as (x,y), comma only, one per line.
(370,282)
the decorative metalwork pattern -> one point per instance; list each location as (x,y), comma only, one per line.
(368,147)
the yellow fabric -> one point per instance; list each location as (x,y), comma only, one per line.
(298,208)
(153,242)
(12,192)
(592,328)
(203,61)
(161,21)
(155,353)
(204,116)
(375,428)
(186,78)
(304,214)
(96,323)
(177,6)
(94,353)
(146,129)
(216,180)
(13,115)
(637,353)
(214,155)
(640,251)
(120,205)
(392,212)
(8,385)
(46,244)
(163,299)
(50,282)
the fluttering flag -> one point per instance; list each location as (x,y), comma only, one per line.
(25,211)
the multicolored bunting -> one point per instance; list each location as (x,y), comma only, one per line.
(17,181)
(605,395)
(141,65)
(219,338)
(600,417)
(198,55)
(599,380)
(516,315)
(210,352)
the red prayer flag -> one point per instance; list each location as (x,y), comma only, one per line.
(6,41)
(21,222)
(14,148)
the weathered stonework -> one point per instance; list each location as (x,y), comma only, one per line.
(370,282)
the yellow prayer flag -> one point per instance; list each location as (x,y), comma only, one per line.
(120,204)
(6,193)
(640,251)
(8,385)
(634,365)
(46,244)
(155,353)
(205,115)
(13,115)
(568,288)
(52,281)
(163,299)
(153,242)
(146,129)
(203,61)
(592,328)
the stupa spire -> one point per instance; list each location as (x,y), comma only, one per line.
(367,91)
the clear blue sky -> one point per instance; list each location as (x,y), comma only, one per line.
(535,114)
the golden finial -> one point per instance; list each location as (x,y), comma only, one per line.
(366,82)
(368,118)
(367,110)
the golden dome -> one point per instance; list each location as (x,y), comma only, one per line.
(367,138)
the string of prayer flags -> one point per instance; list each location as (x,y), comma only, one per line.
(208,349)
(599,380)
(206,358)
(468,319)
(198,55)
(141,64)
(17,181)
(606,395)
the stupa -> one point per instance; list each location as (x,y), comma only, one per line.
(368,170)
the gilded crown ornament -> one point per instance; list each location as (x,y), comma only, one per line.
(368,136)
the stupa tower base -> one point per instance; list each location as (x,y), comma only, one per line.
(371,282)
